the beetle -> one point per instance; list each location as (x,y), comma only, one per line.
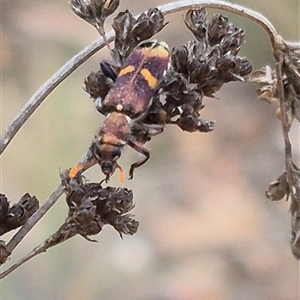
(127,101)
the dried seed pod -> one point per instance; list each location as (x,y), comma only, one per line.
(193,99)
(20,212)
(211,61)
(93,227)
(4,254)
(125,225)
(218,28)
(94,11)
(91,207)
(131,31)
(4,205)
(268,88)
(278,189)
(118,201)
(174,85)
(148,24)
(86,212)
(124,41)
(97,85)
(232,43)
(196,22)
(16,217)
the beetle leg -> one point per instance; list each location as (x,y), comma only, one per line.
(141,149)
(153,129)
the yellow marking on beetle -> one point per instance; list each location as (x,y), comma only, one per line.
(158,51)
(119,107)
(151,80)
(126,70)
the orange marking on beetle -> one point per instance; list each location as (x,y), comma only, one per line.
(151,80)
(126,70)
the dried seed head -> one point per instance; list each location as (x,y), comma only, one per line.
(4,253)
(278,189)
(86,212)
(265,78)
(131,31)
(93,227)
(196,22)
(211,61)
(200,68)
(20,212)
(225,34)
(91,207)
(94,11)
(124,41)
(97,85)
(148,24)
(268,87)
(16,217)
(125,225)
(4,205)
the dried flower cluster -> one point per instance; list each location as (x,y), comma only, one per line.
(91,207)
(268,84)
(94,12)
(12,217)
(198,69)
(268,91)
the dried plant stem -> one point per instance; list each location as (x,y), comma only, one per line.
(285,126)
(226,6)
(50,242)
(38,250)
(40,95)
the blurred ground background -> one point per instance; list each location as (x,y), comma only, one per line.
(206,230)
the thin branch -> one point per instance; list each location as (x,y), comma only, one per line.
(38,250)
(40,95)
(284,123)
(53,240)
(226,6)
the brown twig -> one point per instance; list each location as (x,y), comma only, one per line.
(38,250)
(50,242)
